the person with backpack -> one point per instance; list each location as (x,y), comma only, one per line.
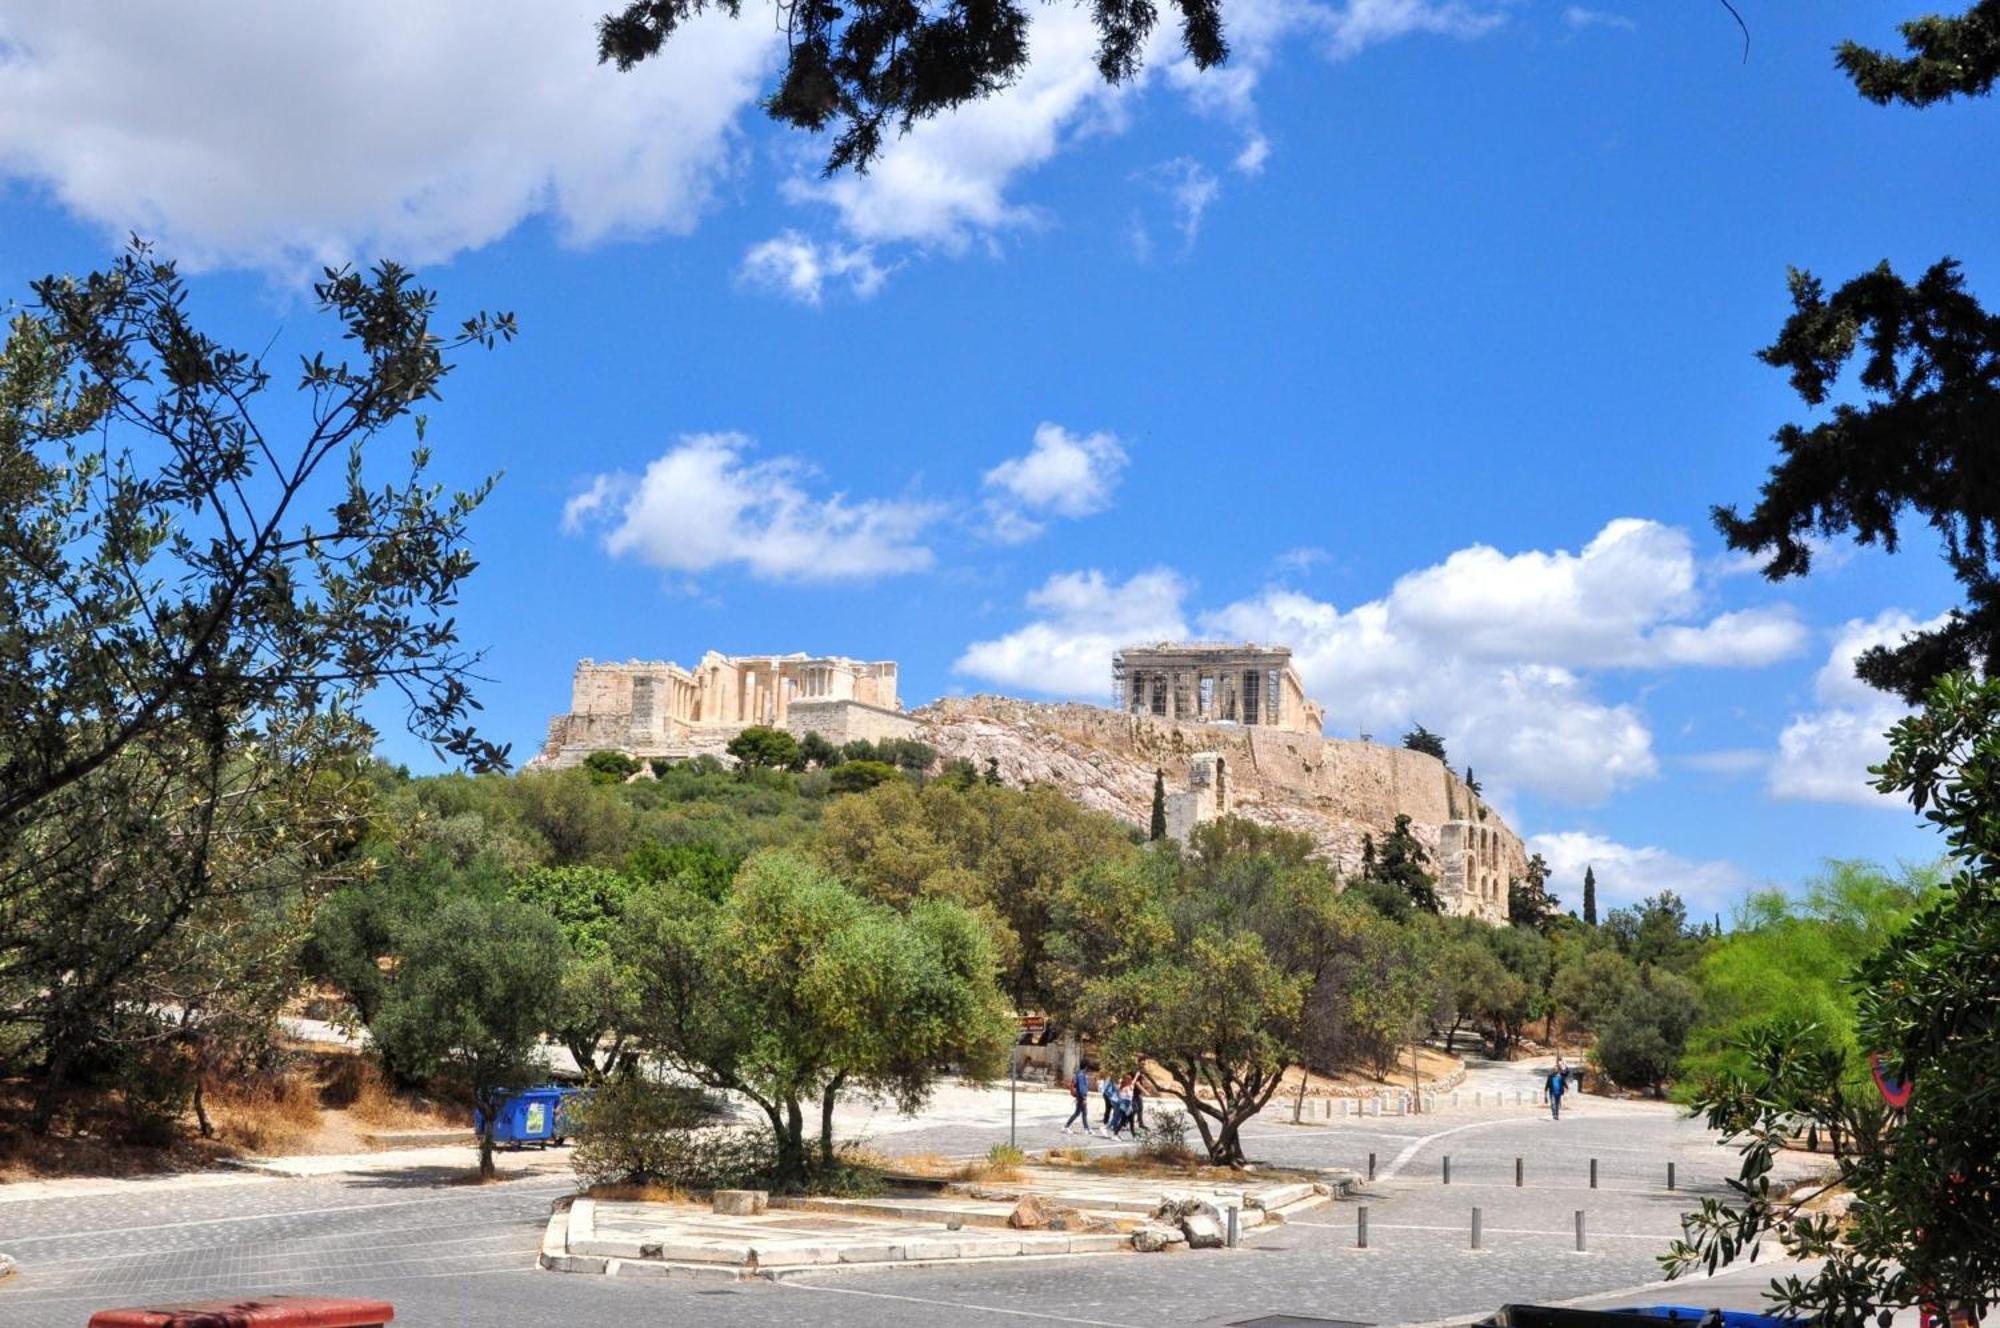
(1111,1121)
(1558,1082)
(1079,1091)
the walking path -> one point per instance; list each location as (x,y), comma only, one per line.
(451,1254)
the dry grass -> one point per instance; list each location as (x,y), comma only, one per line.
(638,1194)
(355,1084)
(265,1116)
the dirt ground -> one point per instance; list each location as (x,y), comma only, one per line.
(324,1101)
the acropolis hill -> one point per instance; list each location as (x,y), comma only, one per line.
(1230,726)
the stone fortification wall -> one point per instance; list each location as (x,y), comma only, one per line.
(846,721)
(1334,790)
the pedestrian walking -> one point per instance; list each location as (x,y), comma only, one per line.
(1138,1102)
(1558,1081)
(1125,1103)
(1109,1089)
(1079,1091)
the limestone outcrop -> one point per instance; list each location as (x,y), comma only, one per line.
(1333,790)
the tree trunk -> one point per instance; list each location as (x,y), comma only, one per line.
(487,1104)
(826,1119)
(201,1120)
(55,1078)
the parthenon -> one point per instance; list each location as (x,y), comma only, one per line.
(1201,683)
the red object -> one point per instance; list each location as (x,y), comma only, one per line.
(1896,1092)
(253,1312)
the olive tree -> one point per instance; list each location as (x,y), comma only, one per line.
(1201,963)
(475,988)
(793,988)
(198,586)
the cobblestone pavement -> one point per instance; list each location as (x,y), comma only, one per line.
(452,1254)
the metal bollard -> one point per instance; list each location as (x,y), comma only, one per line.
(1344,1105)
(1447,1168)
(1517,1173)
(1235,1226)
(1593,1173)
(1361,1227)
(1479,1097)
(1579,1231)
(1475,1228)
(1454,1099)
(1371,1166)
(1670,1175)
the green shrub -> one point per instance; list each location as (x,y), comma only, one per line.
(859,776)
(1165,1138)
(638,1131)
(610,767)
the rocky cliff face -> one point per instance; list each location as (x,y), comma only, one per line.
(1332,790)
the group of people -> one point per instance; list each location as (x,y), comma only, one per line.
(1124,1103)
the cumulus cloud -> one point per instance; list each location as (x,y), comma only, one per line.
(1824,754)
(1523,723)
(950,181)
(1083,618)
(1499,652)
(1627,874)
(1062,474)
(1610,604)
(284,137)
(790,264)
(704,504)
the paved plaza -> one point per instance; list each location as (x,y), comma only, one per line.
(448,1254)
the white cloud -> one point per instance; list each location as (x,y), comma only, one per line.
(1824,754)
(1611,604)
(1190,188)
(1062,474)
(284,137)
(1627,874)
(703,505)
(949,181)
(1301,559)
(1576,16)
(1084,618)
(790,264)
(1520,723)
(1496,651)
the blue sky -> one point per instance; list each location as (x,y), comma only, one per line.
(1420,339)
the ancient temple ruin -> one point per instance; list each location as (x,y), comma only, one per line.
(1199,683)
(657,708)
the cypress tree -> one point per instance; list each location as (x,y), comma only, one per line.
(1158,829)
(1590,896)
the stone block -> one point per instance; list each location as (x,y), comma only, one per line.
(741,1203)
(1032,1213)
(1203,1232)
(871,1254)
(916,1250)
(1152,1239)
(792,1255)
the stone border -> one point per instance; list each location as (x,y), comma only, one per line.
(570,1244)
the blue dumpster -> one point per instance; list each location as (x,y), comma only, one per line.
(1691,1314)
(537,1115)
